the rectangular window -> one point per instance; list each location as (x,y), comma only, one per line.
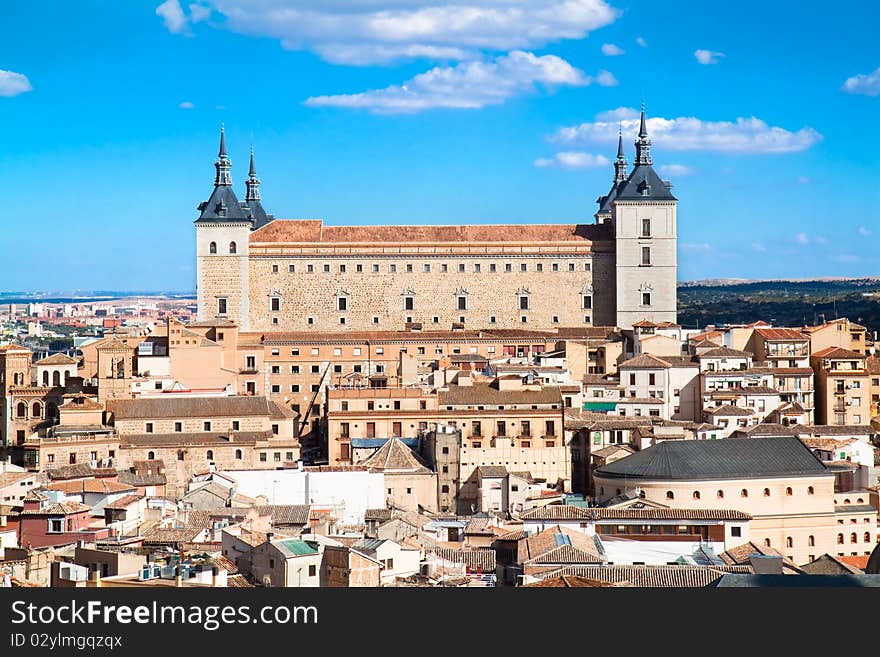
(523,302)
(646,255)
(476,267)
(359,269)
(221,306)
(409,303)
(149,427)
(492,267)
(539,267)
(326,269)
(275,304)
(392,268)
(375,269)
(646,298)
(310,269)
(508,267)
(646,227)
(426,268)
(207,425)
(588,302)
(461,267)
(235,425)
(342,303)
(523,267)
(462,303)
(178,427)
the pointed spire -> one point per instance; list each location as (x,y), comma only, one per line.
(252,182)
(643,144)
(643,130)
(223,163)
(620,163)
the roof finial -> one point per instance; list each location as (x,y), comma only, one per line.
(619,140)
(643,143)
(223,163)
(252,182)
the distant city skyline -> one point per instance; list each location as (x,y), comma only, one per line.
(410,113)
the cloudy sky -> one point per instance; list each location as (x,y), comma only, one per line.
(436,111)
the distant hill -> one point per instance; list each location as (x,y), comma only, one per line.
(781,302)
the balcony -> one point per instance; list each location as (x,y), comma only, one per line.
(249,370)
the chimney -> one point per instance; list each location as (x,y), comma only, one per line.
(178,577)
(215,573)
(269,536)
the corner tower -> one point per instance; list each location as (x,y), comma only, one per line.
(643,214)
(222,232)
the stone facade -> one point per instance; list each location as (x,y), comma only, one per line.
(295,275)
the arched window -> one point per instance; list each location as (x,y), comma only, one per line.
(238,454)
(212,248)
(766,492)
(811,541)
(853,538)
(720,494)
(36,410)
(789,542)
(867,537)
(45,377)
(56,378)
(860,501)
(696,494)
(766,542)
(744,493)
(670,495)
(788,491)
(232,248)
(840,539)
(210,455)
(151,456)
(846,501)
(21,410)
(810,490)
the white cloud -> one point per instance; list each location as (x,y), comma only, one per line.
(186,105)
(199,13)
(864,232)
(468,85)
(641,42)
(866,85)
(701,246)
(173,16)
(801,238)
(708,56)
(573,160)
(758,247)
(380,31)
(745,135)
(611,50)
(606,79)
(675,170)
(12,84)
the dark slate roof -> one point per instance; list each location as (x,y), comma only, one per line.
(223,197)
(257,213)
(718,459)
(605,201)
(631,189)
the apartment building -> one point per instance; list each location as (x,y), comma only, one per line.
(843,386)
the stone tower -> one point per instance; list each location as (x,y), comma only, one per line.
(222,231)
(115,370)
(642,215)
(15,372)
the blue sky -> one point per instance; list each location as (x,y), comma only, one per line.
(402,111)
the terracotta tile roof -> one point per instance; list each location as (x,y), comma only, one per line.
(475,559)
(81,403)
(566,554)
(286,514)
(489,395)
(57,359)
(314,230)
(124,502)
(65,508)
(835,429)
(838,353)
(612,449)
(570,582)
(644,361)
(724,352)
(781,334)
(379,515)
(238,581)
(395,457)
(146,408)
(78,471)
(141,479)
(100,486)
(651,576)
(493,471)
(7,478)
(728,409)
(554,537)
(13,347)
(829,565)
